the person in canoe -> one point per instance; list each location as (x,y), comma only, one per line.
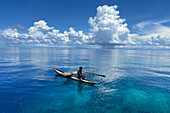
(80,75)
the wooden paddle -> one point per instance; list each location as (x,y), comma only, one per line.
(98,74)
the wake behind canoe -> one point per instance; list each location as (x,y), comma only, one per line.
(70,75)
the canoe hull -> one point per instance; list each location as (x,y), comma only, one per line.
(71,76)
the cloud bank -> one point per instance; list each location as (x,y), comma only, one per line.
(106,28)
(154,34)
(40,34)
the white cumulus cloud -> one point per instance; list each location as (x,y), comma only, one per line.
(108,27)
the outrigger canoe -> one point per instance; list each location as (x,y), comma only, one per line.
(71,75)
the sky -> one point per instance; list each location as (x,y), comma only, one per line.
(134,23)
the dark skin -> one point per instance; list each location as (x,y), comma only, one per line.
(80,75)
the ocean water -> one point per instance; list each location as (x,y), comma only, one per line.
(136,81)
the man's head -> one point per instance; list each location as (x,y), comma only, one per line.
(80,68)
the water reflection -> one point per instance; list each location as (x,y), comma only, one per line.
(113,63)
(67,82)
(9,57)
(80,87)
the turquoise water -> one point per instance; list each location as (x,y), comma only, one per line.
(136,81)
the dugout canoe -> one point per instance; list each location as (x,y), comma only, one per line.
(71,75)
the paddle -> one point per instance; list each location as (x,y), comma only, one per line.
(98,74)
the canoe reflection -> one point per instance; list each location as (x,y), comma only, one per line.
(80,85)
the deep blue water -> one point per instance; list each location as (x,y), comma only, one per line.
(136,81)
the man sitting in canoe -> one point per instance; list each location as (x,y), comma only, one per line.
(80,75)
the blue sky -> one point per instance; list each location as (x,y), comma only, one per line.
(63,14)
